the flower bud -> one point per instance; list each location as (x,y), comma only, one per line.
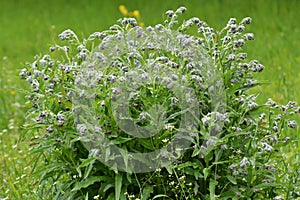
(246,20)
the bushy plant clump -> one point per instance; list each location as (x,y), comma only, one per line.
(235,145)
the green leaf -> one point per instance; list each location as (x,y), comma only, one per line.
(121,140)
(231,179)
(146,192)
(107,186)
(227,195)
(208,155)
(89,181)
(206,172)
(118,185)
(196,188)
(159,195)
(86,162)
(111,196)
(88,170)
(48,171)
(218,154)
(147,143)
(128,176)
(197,174)
(169,169)
(266,185)
(79,171)
(212,187)
(196,152)
(187,164)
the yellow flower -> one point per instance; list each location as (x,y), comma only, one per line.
(123,10)
(13,92)
(136,14)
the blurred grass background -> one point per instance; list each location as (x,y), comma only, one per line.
(29,27)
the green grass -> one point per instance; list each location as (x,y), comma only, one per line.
(29,27)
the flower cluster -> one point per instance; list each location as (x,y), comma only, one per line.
(157,78)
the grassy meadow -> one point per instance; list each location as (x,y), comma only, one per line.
(29,27)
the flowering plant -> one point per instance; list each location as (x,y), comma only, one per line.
(100,107)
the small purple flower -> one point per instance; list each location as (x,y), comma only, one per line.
(292,124)
(232,21)
(246,20)
(170,13)
(181,10)
(239,43)
(49,129)
(275,129)
(249,36)
(245,162)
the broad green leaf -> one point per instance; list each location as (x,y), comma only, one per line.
(118,185)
